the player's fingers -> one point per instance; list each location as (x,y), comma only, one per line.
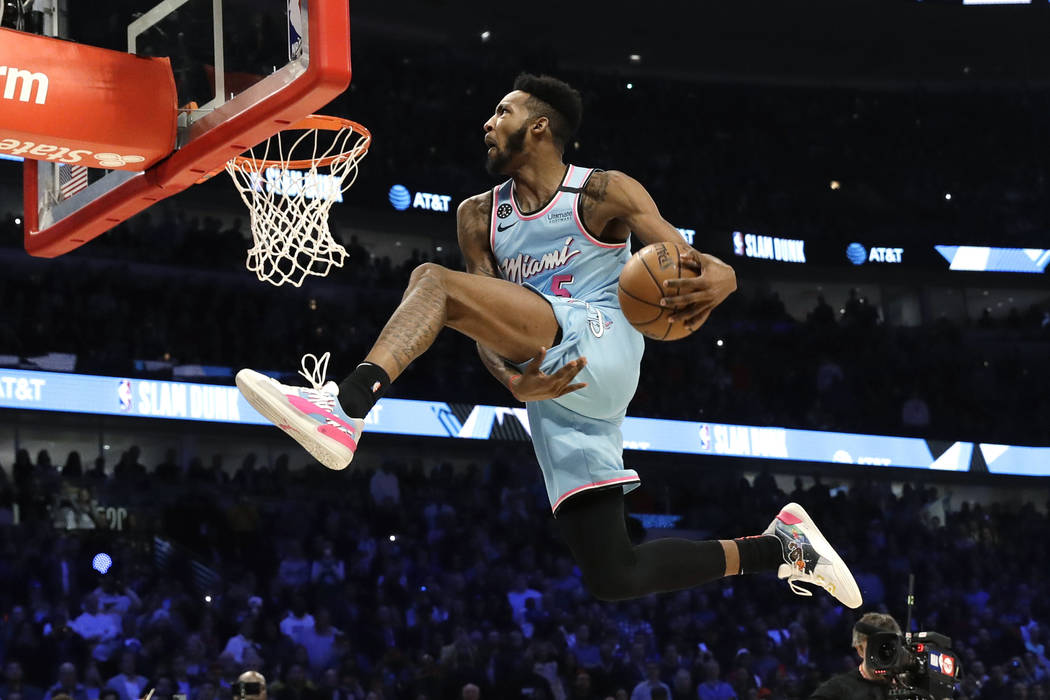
(571,388)
(690,312)
(571,369)
(534,366)
(690,299)
(692,260)
(696,320)
(679,282)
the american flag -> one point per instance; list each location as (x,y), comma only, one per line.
(71,179)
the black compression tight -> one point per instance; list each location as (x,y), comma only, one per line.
(595,529)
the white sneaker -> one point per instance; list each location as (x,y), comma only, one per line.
(312,416)
(808,558)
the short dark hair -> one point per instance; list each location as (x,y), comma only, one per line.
(881,621)
(555,99)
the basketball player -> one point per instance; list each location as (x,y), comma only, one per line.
(544,252)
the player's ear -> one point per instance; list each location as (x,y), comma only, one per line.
(540,125)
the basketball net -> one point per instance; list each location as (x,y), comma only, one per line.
(289,195)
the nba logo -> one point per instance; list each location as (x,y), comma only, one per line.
(705,437)
(738,243)
(124,394)
(295,29)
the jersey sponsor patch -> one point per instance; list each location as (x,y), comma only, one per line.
(503,210)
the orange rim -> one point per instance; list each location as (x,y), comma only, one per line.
(313,121)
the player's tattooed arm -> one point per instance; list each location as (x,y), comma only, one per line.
(595,190)
(625,199)
(473,219)
(692,298)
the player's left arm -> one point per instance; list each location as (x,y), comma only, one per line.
(694,297)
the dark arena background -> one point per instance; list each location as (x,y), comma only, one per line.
(877,172)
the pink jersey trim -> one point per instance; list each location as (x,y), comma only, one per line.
(607,482)
(788,519)
(580,225)
(541,212)
(492,223)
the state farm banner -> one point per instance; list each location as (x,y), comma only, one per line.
(70,103)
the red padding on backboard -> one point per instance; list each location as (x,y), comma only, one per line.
(326,76)
(71,103)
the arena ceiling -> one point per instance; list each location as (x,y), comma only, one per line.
(880,42)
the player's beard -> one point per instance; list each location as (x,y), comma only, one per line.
(496,164)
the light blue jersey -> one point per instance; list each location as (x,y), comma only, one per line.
(551,250)
(577,436)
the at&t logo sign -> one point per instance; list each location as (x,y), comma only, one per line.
(401,199)
(858,254)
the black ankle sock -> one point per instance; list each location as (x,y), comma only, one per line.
(360,391)
(761,553)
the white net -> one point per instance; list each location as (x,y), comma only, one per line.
(289,196)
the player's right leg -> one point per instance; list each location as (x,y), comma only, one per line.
(327,419)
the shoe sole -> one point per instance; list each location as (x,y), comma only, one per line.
(827,552)
(268,400)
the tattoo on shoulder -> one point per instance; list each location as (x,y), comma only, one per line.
(595,191)
(475,212)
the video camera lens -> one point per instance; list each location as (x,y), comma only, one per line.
(885,651)
(246,689)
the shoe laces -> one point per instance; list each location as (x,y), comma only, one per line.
(317,374)
(801,590)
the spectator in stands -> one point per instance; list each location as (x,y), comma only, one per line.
(713,687)
(587,653)
(297,620)
(320,641)
(206,691)
(295,686)
(113,597)
(294,572)
(517,597)
(14,684)
(128,684)
(682,685)
(238,644)
(100,629)
(94,687)
(915,412)
(67,684)
(328,570)
(385,488)
(644,690)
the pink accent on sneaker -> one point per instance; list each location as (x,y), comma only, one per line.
(338,435)
(307,407)
(788,519)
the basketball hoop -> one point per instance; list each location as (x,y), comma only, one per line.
(289,199)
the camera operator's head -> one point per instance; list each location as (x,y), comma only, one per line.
(868,624)
(250,685)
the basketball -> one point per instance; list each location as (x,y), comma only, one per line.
(642,288)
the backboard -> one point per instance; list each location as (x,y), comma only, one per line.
(243,69)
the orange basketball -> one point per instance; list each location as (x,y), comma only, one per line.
(642,288)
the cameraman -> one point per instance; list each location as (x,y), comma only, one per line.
(250,685)
(860,683)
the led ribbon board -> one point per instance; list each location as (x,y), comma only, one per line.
(990,259)
(144,398)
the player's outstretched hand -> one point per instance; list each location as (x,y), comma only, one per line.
(534,385)
(696,297)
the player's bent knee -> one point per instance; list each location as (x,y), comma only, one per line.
(427,272)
